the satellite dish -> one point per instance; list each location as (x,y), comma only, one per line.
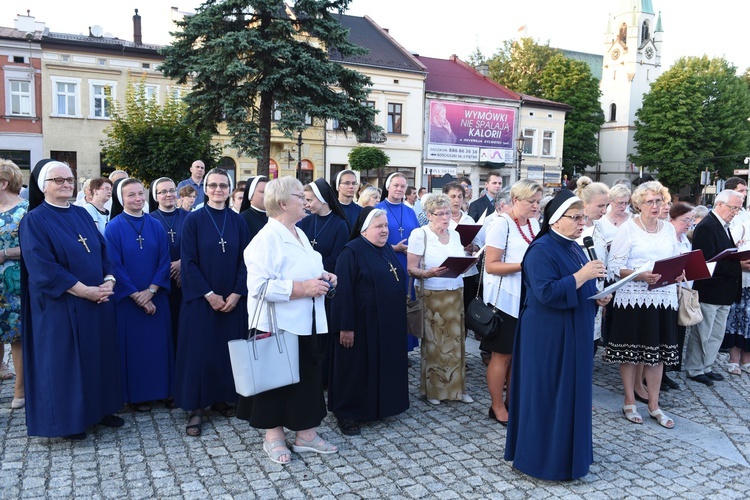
(97,30)
(108,35)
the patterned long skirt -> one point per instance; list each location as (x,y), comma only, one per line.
(738,324)
(443,358)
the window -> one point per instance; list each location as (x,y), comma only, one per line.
(548,142)
(369,104)
(152,92)
(275,112)
(146,65)
(613,112)
(101,94)
(394,118)
(529,134)
(101,62)
(22,158)
(66,97)
(20,98)
(19,59)
(308,120)
(65,58)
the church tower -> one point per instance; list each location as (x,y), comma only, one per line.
(632,61)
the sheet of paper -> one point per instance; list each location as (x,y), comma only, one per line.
(618,284)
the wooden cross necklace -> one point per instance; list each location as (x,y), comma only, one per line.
(222,242)
(140,238)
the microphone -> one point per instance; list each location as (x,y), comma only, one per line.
(588,242)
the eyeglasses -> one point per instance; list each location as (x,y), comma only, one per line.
(578,218)
(300,196)
(652,203)
(441,214)
(621,203)
(348,183)
(730,207)
(171,191)
(62,180)
(215,186)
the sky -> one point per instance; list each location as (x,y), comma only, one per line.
(435,28)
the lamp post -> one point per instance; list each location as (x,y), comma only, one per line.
(520,141)
(299,157)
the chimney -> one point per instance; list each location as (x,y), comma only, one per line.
(137,37)
(483,69)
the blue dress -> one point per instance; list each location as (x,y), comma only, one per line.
(146,349)
(402,220)
(203,373)
(328,235)
(172,224)
(255,220)
(352,211)
(69,343)
(370,380)
(549,427)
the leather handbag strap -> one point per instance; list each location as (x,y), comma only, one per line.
(419,291)
(484,267)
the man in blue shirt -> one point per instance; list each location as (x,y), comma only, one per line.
(197,171)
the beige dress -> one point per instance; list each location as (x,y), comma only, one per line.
(444,358)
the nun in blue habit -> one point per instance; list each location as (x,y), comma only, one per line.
(549,427)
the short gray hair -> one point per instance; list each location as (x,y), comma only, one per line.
(726,195)
(503,197)
(279,191)
(618,191)
(435,201)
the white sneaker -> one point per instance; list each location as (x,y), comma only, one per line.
(433,401)
(466,398)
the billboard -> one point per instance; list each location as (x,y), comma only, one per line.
(477,125)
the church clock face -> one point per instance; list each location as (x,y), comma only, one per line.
(649,52)
(615,54)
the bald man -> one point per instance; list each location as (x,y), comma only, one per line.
(197,171)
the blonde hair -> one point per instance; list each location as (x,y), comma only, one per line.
(581,183)
(435,201)
(279,191)
(525,189)
(618,191)
(10,172)
(595,188)
(366,194)
(647,187)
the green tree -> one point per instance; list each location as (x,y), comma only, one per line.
(149,140)
(367,158)
(518,65)
(571,82)
(246,58)
(695,117)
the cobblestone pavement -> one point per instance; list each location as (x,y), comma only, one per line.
(447,451)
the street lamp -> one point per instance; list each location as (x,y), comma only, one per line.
(299,157)
(520,141)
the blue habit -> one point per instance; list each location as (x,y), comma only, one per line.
(401,216)
(255,220)
(69,344)
(369,381)
(146,350)
(172,224)
(549,427)
(327,235)
(203,374)
(352,211)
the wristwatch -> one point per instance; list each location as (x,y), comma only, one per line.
(110,278)
(152,290)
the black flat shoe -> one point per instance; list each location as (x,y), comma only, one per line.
(349,427)
(671,383)
(76,437)
(492,415)
(715,376)
(703,379)
(638,398)
(112,421)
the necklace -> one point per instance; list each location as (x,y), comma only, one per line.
(223,226)
(390,264)
(401,218)
(531,231)
(140,238)
(171,231)
(643,225)
(314,241)
(80,239)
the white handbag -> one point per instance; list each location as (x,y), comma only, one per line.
(260,365)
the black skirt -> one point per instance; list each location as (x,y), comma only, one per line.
(643,335)
(502,343)
(299,406)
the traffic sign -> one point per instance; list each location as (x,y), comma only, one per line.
(741,171)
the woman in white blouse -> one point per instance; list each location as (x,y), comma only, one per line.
(456,192)
(618,214)
(281,255)
(443,354)
(644,322)
(508,238)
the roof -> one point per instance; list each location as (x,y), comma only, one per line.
(595,61)
(544,103)
(453,76)
(15,34)
(383,50)
(98,42)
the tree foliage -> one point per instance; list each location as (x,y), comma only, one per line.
(150,140)
(246,56)
(519,64)
(695,117)
(367,158)
(571,82)
(528,67)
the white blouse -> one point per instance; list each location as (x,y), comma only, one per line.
(276,256)
(608,229)
(435,254)
(503,234)
(741,237)
(632,248)
(466,219)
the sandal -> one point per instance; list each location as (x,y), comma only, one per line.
(745,368)
(275,455)
(349,427)
(316,444)
(224,409)
(734,368)
(5,372)
(662,418)
(195,428)
(631,413)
